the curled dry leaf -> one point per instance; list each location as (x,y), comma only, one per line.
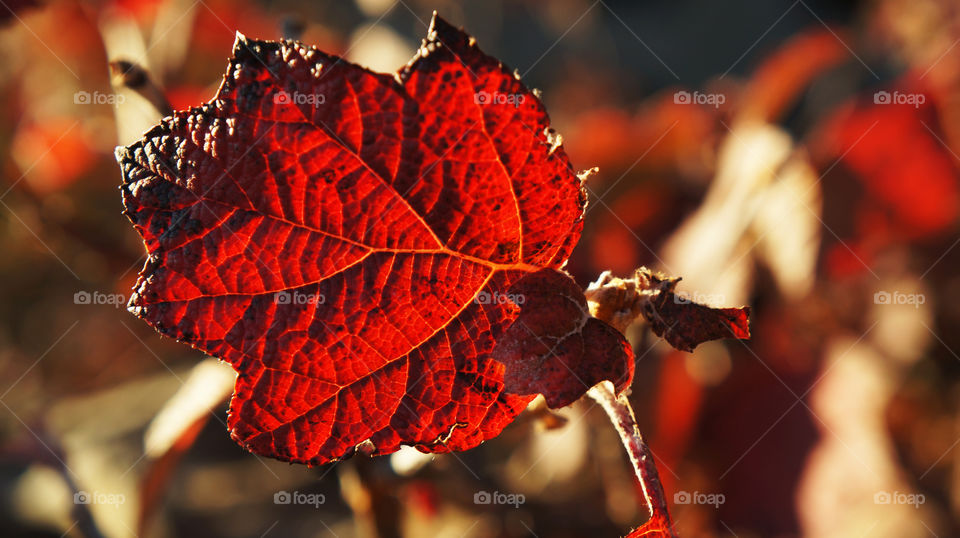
(362,248)
(686,324)
(555,347)
(683,323)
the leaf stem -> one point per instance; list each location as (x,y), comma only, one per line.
(619,303)
(621,415)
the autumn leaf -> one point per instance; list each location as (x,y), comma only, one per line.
(682,322)
(552,347)
(378,256)
(685,324)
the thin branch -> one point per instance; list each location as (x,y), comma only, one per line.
(619,303)
(621,415)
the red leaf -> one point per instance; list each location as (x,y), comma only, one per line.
(555,347)
(348,241)
(686,324)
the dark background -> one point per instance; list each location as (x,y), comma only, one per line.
(800,195)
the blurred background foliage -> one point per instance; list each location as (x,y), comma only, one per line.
(805,193)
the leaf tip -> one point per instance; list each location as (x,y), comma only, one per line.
(435,20)
(239,41)
(741,324)
(441,31)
